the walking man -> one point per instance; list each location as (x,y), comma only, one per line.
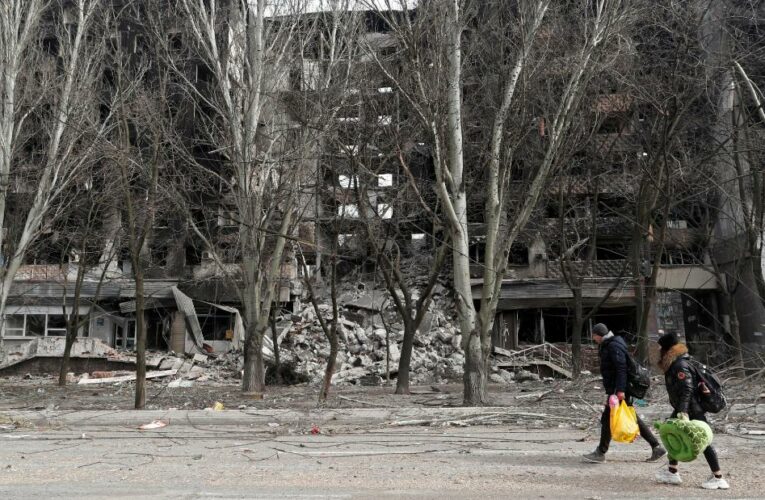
(682,384)
(613,368)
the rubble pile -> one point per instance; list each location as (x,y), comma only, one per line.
(370,342)
(370,346)
(370,334)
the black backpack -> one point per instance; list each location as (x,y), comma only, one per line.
(638,378)
(712,400)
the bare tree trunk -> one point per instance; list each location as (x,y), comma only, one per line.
(72,325)
(329,371)
(140,342)
(735,332)
(576,335)
(253,381)
(476,375)
(275,339)
(405,362)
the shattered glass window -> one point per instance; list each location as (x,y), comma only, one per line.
(56,325)
(35,325)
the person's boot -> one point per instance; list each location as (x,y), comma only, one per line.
(596,457)
(657,453)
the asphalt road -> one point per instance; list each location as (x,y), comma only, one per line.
(190,461)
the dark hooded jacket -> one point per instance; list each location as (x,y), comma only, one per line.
(613,364)
(680,377)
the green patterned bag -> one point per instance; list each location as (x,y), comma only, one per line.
(684,439)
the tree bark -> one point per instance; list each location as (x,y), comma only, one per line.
(576,335)
(253,380)
(72,325)
(476,375)
(140,353)
(331,363)
(275,339)
(404,363)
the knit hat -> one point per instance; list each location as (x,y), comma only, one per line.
(600,330)
(667,340)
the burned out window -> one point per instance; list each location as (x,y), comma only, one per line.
(519,255)
(35,325)
(56,325)
(217,326)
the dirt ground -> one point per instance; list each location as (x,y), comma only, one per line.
(553,396)
(484,462)
(531,449)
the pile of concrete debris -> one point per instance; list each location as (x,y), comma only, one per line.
(371,337)
(370,349)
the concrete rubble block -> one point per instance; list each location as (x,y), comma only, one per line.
(342,332)
(341,357)
(308,315)
(361,336)
(354,349)
(525,375)
(348,375)
(457,341)
(508,377)
(379,334)
(195,372)
(395,353)
(444,335)
(169,363)
(185,366)
(180,383)
(362,361)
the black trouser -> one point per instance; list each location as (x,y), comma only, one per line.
(605,430)
(709,453)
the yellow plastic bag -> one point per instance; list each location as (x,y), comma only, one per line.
(624,426)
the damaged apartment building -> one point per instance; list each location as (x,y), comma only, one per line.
(191,305)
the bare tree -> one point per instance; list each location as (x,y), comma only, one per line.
(440,108)
(54,99)
(262,151)
(87,206)
(139,114)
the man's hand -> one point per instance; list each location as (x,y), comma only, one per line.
(620,395)
(682,416)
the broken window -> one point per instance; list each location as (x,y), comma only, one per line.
(35,326)
(217,326)
(519,254)
(56,325)
(344,239)
(40,325)
(385,180)
(348,181)
(384,211)
(350,210)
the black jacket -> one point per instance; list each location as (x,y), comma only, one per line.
(680,378)
(613,364)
